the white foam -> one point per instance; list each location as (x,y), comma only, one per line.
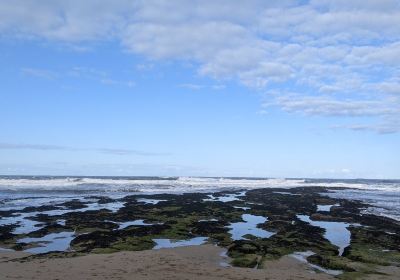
(17,192)
(181,184)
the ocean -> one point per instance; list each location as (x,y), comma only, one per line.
(17,192)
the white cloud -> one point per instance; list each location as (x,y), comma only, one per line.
(45,147)
(200,86)
(78,73)
(389,87)
(39,73)
(113,82)
(349,49)
(192,86)
(327,106)
(388,127)
(64,20)
(387,55)
(199,41)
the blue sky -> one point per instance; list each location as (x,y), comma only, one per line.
(207,88)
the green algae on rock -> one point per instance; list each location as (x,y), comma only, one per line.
(198,215)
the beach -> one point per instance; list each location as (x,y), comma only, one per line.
(192,262)
(209,229)
(205,139)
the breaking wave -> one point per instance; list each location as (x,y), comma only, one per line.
(22,191)
(178,184)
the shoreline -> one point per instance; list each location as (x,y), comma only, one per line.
(191,262)
(258,228)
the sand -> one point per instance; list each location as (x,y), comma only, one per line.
(192,262)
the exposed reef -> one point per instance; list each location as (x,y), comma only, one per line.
(374,241)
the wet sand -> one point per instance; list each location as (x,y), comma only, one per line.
(193,262)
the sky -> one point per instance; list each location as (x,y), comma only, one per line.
(200,88)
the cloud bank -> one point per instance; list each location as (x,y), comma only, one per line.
(319,57)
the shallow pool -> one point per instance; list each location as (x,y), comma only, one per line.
(51,242)
(336,232)
(133,223)
(169,243)
(150,201)
(302,257)
(226,197)
(325,208)
(249,226)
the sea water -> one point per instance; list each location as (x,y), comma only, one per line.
(249,226)
(336,232)
(18,192)
(169,243)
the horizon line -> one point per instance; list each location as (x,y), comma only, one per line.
(194,176)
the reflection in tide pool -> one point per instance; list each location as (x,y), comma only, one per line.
(150,201)
(287,193)
(112,206)
(249,226)
(336,232)
(6,250)
(133,223)
(242,207)
(168,243)
(225,259)
(24,225)
(302,257)
(225,198)
(208,220)
(326,208)
(49,243)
